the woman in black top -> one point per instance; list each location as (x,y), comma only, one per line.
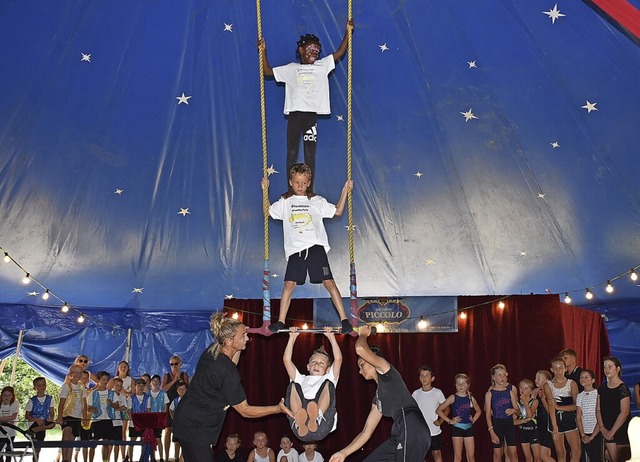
(214,388)
(170,383)
(409,440)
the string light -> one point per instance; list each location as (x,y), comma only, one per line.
(609,288)
(45,295)
(567,299)
(501,304)
(305,326)
(7,258)
(380,327)
(463,315)
(26,279)
(235,315)
(81,318)
(65,308)
(422,324)
(633,275)
(588,295)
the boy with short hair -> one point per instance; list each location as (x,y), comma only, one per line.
(102,414)
(40,410)
(118,401)
(310,454)
(181,389)
(287,452)
(429,398)
(140,402)
(159,402)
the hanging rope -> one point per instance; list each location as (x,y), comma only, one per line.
(353,286)
(266,290)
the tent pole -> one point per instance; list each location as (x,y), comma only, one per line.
(127,352)
(15,358)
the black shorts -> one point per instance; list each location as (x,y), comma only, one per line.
(74,423)
(116,434)
(133,433)
(457,432)
(506,432)
(529,435)
(566,421)
(39,436)
(102,430)
(436,442)
(313,261)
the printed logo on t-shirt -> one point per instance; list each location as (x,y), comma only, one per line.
(300,219)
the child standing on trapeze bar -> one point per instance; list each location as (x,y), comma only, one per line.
(305,240)
(312,398)
(306,93)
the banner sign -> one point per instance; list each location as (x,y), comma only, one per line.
(395,314)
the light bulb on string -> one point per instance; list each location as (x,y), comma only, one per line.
(588,295)
(422,324)
(501,304)
(7,258)
(45,295)
(567,299)
(26,279)
(81,318)
(380,327)
(463,315)
(65,308)
(305,326)
(633,275)
(235,315)
(609,288)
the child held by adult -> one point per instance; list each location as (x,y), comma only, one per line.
(305,240)
(312,397)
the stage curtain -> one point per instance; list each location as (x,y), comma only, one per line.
(524,336)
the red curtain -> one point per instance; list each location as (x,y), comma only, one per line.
(525,335)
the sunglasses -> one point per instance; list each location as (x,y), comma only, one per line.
(174,364)
(83,360)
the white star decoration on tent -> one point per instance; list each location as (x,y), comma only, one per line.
(228,296)
(183,99)
(472,64)
(184,212)
(383,47)
(86,57)
(274,275)
(523,254)
(347,227)
(429,262)
(541,195)
(340,118)
(32,294)
(555,145)
(554,14)
(590,107)
(118,191)
(418,174)
(228,27)
(271,170)
(137,290)
(468,115)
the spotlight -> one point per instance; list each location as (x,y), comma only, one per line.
(609,287)
(588,294)
(45,295)
(567,299)
(26,279)
(633,275)
(65,308)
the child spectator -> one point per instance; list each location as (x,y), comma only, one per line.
(500,406)
(40,410)
(101,408)
(140,403)
(586,404)
(9,409)
(85,424)
(261,453)
(72,408)
(429,398)
(159,402)
(462,403)
(312,398)
(544,435)
(310,454)
(561,394)
(527,422)
(231,452)
(305,240)
(181,389)
(306,92)
(170,382)
(117,400)
(287,452)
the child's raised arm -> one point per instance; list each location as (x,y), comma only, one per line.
(348,186)
(342,49)
(288,354)
(335,348)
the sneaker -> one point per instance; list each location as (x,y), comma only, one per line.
(347,328)
(275,327)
